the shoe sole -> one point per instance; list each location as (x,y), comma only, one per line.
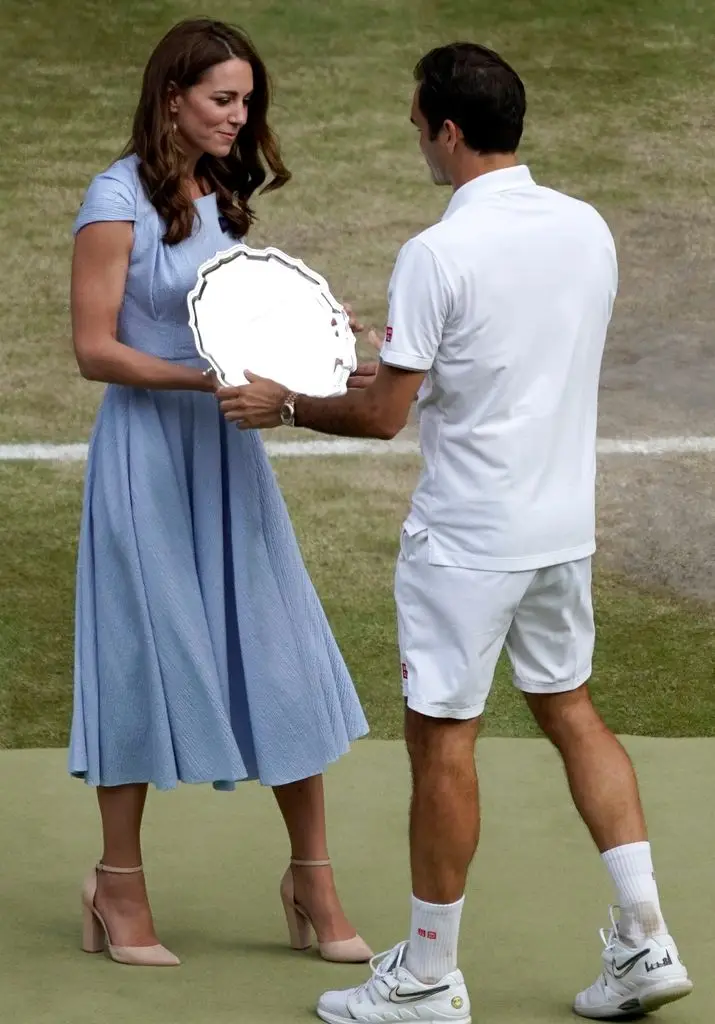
(646,1003)
(676,990)
(331,1018)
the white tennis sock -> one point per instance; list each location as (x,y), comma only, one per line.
(631,868)
(434,934)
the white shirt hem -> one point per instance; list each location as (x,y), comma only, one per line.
(439,555)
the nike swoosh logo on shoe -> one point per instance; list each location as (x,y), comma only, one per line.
(412,997)
(621,970)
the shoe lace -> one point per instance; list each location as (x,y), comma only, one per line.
(609,937)
(380,965)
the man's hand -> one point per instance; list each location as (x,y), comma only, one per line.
(363,376)
(255,405)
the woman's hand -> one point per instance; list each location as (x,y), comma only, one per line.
(375,340)
(365,374)
(355,326)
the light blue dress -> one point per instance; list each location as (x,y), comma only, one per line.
(202,652)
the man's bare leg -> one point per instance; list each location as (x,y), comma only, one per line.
(641,969)
(421,974)
(599,771)
(444,831)
(605,791)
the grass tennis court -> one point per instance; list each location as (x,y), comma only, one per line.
(655,652)
(620,97)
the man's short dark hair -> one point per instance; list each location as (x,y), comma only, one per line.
(477,90)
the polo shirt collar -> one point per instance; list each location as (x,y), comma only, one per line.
(488,184)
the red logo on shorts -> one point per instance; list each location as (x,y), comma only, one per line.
(404,670)
(426,935)
(388,334)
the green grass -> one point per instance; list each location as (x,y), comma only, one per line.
(619,105)
(619,112)
(653,670)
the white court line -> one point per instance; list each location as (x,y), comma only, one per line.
(657,446)
(295,449)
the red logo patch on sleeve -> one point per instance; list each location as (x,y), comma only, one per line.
(388,335)
(404,670)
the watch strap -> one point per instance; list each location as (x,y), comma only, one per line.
(289,403)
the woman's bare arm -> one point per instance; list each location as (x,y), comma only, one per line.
(99,274)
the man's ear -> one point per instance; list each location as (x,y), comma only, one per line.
(453,135)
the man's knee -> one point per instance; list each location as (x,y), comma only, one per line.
(564,716)
(439,743)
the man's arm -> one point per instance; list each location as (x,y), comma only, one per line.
(380,410)
(420,303)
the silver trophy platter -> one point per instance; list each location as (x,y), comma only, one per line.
(263,311)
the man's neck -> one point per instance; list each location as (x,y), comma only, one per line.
(474,166)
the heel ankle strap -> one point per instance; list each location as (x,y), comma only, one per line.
(119,871)
(310,863)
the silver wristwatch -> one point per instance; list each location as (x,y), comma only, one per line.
(288,410)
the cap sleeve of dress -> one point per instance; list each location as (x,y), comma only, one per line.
(111,196)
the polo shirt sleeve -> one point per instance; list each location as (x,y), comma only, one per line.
(419,306)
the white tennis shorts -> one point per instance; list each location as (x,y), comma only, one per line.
(453,624)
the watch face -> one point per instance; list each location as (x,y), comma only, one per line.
(261,310)
(288,412)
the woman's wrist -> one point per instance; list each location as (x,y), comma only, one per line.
(208,381)
(197,380)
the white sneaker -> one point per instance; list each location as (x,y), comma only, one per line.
(393,994)
(634,981)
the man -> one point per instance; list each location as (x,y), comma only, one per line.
(498,317)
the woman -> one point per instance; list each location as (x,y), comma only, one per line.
(202,651)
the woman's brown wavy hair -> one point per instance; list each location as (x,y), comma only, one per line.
(179,61)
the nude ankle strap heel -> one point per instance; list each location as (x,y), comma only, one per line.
(301,928)
(95,934)
(119,871)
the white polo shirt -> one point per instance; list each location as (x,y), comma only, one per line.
(505,303)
